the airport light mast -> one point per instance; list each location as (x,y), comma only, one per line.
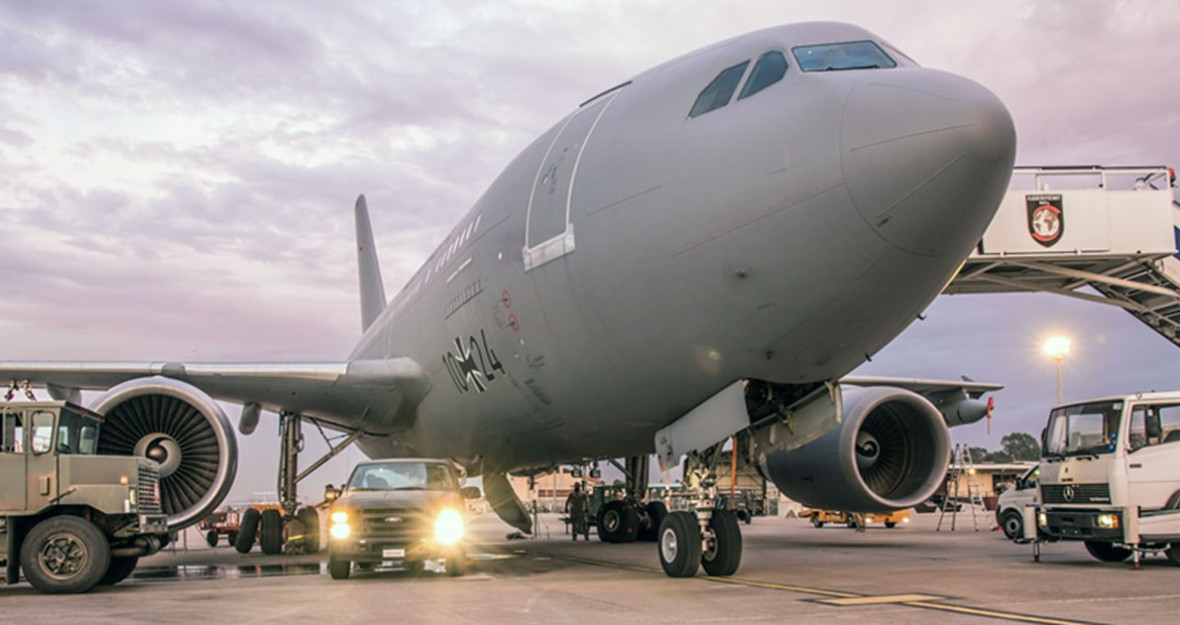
(1056,348)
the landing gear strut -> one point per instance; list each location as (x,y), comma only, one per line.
(295,530)
(707,537)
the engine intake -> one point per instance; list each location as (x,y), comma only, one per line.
(890,452)
(184,430)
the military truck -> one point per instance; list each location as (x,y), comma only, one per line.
(70,519)
(408,510)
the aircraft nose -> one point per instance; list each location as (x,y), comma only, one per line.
(926,156)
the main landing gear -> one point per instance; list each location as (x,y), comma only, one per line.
(630,519)
(288,528)
(708,537)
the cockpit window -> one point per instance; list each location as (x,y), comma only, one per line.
(718,93)
(835,56)
(770,68)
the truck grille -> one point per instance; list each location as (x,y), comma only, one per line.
(394,524)
(146,491)
(1075,493)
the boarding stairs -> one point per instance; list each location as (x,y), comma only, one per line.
(1111,236)
(961,477)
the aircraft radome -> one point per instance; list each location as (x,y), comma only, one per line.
(698,253)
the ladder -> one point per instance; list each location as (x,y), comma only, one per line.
(962,471)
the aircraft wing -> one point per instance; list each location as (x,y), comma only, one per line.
(973,389)
(335,392)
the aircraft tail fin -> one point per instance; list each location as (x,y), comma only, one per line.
(372,288)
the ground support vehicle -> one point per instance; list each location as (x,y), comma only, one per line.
(744,503)
(70,519)
(221,523)
(1108,476)
(1012,502)
(406,510)
(888,519)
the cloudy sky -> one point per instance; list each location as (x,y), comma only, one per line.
(176,178)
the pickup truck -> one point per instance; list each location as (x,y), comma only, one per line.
(408,509)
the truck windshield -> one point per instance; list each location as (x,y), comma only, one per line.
(402,476)
(1083,429)
(76,434)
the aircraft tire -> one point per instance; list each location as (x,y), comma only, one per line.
(679,544)
(1107,552)
(211,538)
(247,530)
(725,556)
(65,554)
(119,570)
(1013,525)
(272,532)
(656,511)
(618,523)
(1173,553)
(311,529)
(338,568)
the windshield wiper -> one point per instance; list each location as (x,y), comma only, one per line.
(840,69)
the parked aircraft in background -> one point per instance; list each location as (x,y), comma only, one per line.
(698,253)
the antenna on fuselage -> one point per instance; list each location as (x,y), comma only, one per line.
(372,288)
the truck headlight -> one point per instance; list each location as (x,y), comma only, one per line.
(340,528)
(448,527)
(1108,521)
(1042,519)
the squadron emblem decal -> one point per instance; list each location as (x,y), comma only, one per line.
(1046,218)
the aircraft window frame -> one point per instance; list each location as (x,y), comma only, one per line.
(714,90)
(805,66)
(749,88)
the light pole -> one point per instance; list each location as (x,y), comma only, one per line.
(1056,348)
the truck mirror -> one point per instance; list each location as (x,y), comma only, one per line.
(470,492)
(331,493)
(1152,424)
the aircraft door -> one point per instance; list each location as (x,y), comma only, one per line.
(12,461)
(548,233)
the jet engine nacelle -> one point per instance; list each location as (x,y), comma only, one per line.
(889,451)
(180,427)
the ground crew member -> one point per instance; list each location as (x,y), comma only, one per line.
(577,504)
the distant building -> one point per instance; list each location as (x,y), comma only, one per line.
(993,478)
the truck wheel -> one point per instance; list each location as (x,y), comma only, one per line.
(851,522)
(271,539)
(890,524)
(247,530)
(816,521)
(311,529)
(656,511)
(65,554)
(1107,552)
(337,568)
(211,538)
(119,570)
(456,565)
(618,522)
(1013,525)
(725,555)
(679,544)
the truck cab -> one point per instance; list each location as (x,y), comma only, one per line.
(71,519)
(1108,475)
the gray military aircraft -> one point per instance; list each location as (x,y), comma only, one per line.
(696,255)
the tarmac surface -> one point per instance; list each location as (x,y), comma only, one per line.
(790,570)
